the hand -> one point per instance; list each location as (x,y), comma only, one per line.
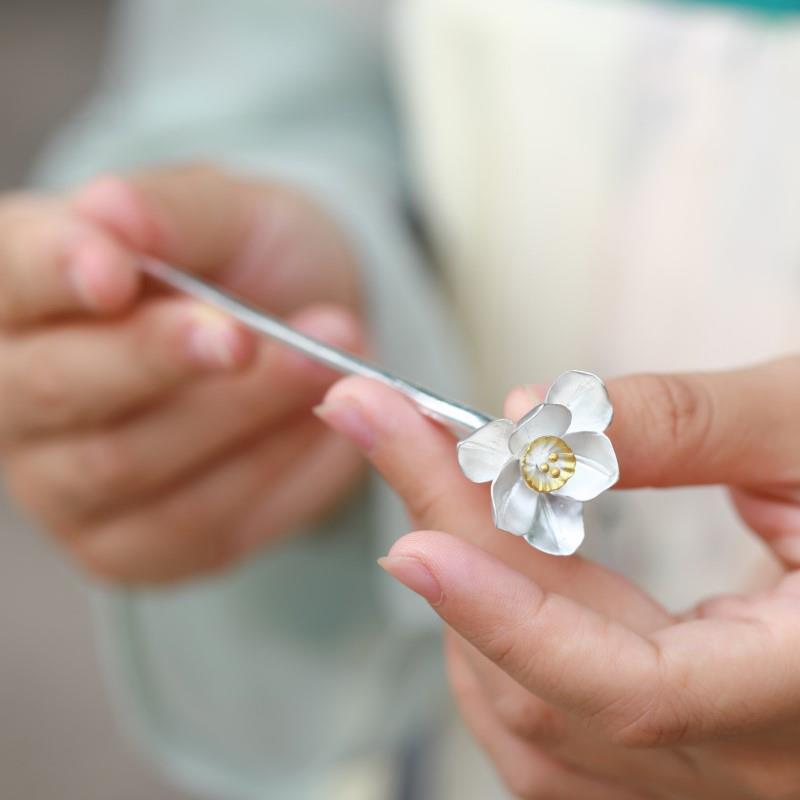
(576,683)
(155,438)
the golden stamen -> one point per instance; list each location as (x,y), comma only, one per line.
(539,460)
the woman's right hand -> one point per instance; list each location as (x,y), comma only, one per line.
(155,438)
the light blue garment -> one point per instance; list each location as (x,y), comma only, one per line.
(260,682)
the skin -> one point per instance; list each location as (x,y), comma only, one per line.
(155,439)
(576,683)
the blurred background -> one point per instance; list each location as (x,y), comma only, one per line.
(57,733)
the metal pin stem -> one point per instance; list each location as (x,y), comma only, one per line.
(460,419)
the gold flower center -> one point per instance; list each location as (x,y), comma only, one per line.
(547,463)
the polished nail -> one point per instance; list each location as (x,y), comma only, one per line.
(412,573)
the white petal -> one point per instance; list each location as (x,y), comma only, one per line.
(482,454)
(558,527)
(586,397)
(514,503)
(596,467)
(544,420)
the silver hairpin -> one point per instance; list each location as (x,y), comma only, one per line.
(542,468)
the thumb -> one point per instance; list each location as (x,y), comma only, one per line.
(737,427)
(267,242)
(196,217)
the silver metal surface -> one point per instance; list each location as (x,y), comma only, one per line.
(460,419)
(544,467)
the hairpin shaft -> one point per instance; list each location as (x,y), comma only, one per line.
(460,419)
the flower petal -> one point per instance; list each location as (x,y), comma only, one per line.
(514,503)
(544,420)
(558,527)
(596,467)
(482,454)
(585,395)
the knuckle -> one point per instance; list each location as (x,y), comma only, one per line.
(505,644)
(651,723)
(103,467)
(425,502)
(46,392)
(679,409)
(98,562)
(72,482)
(527,717)
(29,247)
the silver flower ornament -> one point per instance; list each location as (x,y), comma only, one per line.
(547,465)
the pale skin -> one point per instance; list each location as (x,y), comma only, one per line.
(158,441)
(574,682)
(152,437)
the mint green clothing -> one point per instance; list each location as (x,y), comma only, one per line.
(267,681)
(768,6)
(777,6)
(771,7)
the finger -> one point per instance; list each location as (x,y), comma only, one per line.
(54,263)
(527,769)
(418,459)
(599,672)
(625,684)
(79,375)
(522,713)
(106,470)
(688,682)
(198,527)
(194,215)
(736,427)
(775,517)
(212,223)
(529,718)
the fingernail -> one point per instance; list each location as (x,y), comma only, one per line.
(345,416)
(412,573)
(333,328)
(83,274)
(535,393)
(788,548)
(213,339)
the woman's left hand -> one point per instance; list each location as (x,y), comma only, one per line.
(576,683)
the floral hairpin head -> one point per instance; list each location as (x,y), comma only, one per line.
(547,465)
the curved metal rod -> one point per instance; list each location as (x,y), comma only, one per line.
(460,419)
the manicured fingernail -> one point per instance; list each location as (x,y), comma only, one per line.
(345,416)
(411,572)
(213,340)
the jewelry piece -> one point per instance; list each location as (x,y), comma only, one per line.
(542,469)
(547,465)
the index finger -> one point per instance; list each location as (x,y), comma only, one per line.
(698,679)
